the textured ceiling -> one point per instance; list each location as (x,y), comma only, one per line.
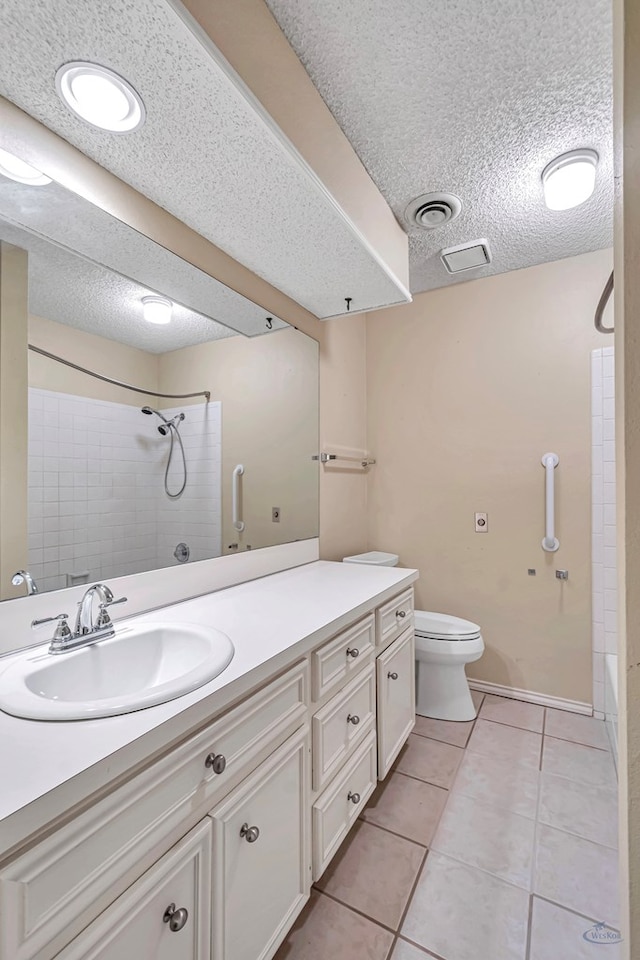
(204,153)
(72,222)
(84,295)
(473,98)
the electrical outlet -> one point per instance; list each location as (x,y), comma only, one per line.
(482,522)
(275,514)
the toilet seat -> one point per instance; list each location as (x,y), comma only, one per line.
(440,626)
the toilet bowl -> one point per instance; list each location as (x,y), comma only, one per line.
(444,644)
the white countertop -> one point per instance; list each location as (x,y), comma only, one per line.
(48,767)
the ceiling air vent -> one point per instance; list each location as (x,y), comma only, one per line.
(466,256)
(432,210)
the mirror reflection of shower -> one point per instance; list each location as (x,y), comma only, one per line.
(170,428)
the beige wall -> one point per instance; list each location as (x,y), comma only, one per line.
(96,353)
(467,388)
(627,339)
(268,387)
(13,416)
(343,428)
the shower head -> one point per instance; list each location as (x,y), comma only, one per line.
(166,425)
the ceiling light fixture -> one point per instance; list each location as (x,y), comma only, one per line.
(157,309)
(569,179)
(16,169)
(100,97)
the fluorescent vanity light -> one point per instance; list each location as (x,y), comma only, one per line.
(569,179)
(16,169)
(156,309)
(100,97)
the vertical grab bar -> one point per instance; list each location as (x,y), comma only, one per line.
(549,542)
(235,498)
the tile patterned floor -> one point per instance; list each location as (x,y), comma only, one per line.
(490,840)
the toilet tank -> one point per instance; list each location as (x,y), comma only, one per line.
(375,558)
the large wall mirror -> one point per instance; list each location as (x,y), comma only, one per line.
(211,453)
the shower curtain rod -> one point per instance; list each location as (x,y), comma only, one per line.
(119,383)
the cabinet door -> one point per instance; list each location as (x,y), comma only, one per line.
(138,924)
(261,855)
(396,699)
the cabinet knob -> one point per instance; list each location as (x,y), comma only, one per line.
(392,676)
(216,761)
(354,719)
(353,652)
(250,834)
(401,614)
(175,918)
(354,797)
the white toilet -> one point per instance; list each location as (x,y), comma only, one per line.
(444,644)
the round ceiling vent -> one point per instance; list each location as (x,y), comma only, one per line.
(432,210)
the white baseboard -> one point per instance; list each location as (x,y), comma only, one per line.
(530,696)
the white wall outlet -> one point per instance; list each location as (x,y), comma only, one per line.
(482,522)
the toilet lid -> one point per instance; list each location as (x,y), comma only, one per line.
(440,626)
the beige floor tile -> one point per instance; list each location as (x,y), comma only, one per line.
(407,806)
(515,713)
(460,913)
(507,743)
(589,810)
(429,760)
(573,726)
(484,836)
(477,698)
(500,782)
(577,762)
(577,874)
(444,730)
(325,930)
(558,933)
(374,872)
(407,951)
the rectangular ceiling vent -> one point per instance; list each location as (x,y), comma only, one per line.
(466,256)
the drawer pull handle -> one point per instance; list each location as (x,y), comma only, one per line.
(250,834)
(401,614)
(392,676)
(216,761)
(354,719)
(354,797)
(353,652)
(175,918)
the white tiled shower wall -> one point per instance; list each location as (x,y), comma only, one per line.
(603,555)
(97,504)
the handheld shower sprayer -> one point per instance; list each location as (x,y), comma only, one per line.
(170,428)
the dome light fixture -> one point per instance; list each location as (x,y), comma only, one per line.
(16,169)
(100,97)
(569,180)
(157,309)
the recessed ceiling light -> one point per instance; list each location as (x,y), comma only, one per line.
(16,169)
(569,179)
(156,309)
(100,97)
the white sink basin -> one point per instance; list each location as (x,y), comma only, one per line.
(141,666)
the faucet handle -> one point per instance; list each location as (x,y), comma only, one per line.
(62,630)
(104,620)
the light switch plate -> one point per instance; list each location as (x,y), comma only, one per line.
(482,522)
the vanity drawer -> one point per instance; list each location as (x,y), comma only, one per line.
(56,888)
(334,812)
(341,725)
(337,661)
(394,617)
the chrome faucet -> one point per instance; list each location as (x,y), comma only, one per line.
(87,630)
(23,576)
